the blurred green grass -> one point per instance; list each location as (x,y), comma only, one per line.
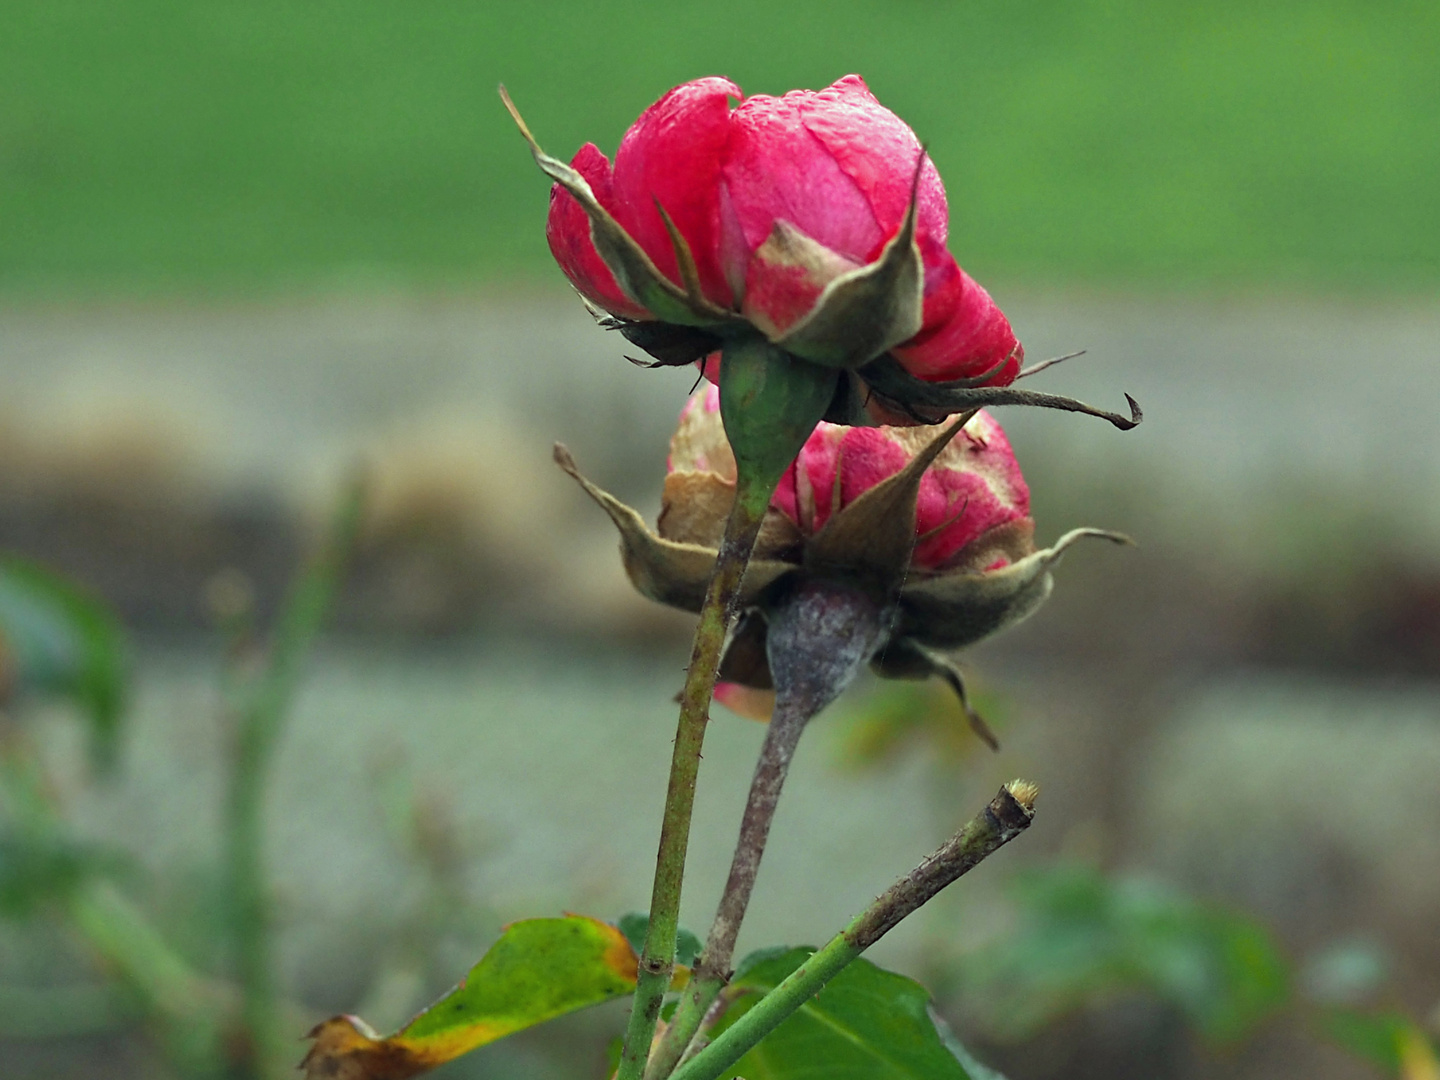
(216,146)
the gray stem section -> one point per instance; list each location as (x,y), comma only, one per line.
(819,638)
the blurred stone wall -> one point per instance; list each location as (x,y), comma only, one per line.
(1233,705)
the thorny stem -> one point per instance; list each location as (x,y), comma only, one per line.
(1006,817)
(657,960)
(819,637)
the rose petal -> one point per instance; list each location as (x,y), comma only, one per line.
(673,154)
(973,487)
(568,230)
(746,701)
(972,339)
(786,277)
(778,170)
(878,152)
(699,443)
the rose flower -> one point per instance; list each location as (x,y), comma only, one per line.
(932,524)
(813,222)
(814,219)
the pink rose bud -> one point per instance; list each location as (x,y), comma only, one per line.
(930,526)
(776,198)
(973,487)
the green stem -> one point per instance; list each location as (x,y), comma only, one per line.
(713,970)
(1006,817)
(819,637)
(261,719)
(657,961)
(770,403)
(190,1007)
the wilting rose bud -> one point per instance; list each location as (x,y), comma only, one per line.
(972,489)
(814,218)
(930,524)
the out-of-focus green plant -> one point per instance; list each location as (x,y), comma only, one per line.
(894,718)
(1082,937)
(1391,1040)
(56,641)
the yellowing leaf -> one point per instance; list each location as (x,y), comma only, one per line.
(1417,1056)
(538,970)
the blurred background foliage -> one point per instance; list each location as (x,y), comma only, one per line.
(206,145)
(243,246)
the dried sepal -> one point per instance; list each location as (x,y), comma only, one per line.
(872,539)
(866,311)
(899,392)
(1024,792)
(634,270)
(671,345)
(904,658)
(746,661)
(663,570)
(694,508)
(953,609)
(1000,546)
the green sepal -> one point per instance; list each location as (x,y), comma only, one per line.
(770,402)
(634,270)
(864,313)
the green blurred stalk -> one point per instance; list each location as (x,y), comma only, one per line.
(260,718)
(187,1005)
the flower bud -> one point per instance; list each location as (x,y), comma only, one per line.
(812,222)
(931,524)
(972,489)
(814,219)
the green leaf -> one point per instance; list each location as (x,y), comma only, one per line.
(1082,937)
(636,924)
(56,640)
(867,1024)
(976,1069)
(538,970)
